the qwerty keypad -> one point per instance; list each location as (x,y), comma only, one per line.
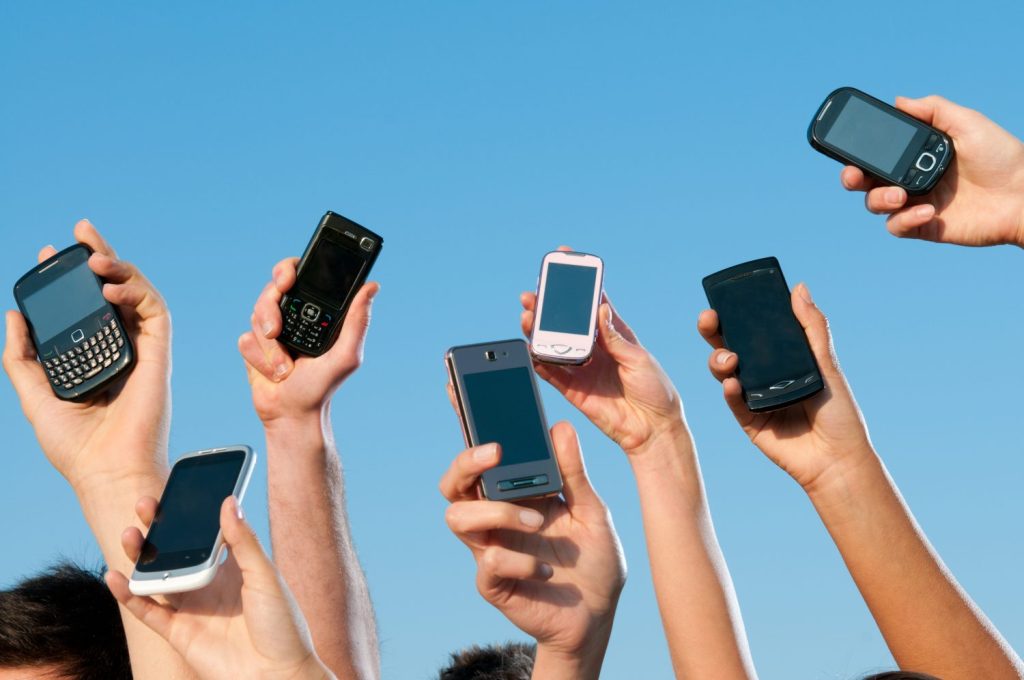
(306,324)
(87,358)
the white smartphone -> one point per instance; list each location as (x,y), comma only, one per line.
(184,545)
(568,297)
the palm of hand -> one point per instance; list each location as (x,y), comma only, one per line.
(584,553)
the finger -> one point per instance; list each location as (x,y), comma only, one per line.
(816,328)
(46,252)
(86,233)
(476,517)
(528,299)
(284,274)
(497,564)
(854,179)
(723,364)
(613,339)
(733,393)
(157,617)
(110,269)
(707,326)
(19,358)
(907,223)
(137,294)
(254,357)
(526,322)
(884,200)
(351,341)
(450,389)
(564,249)
(146,509)
(242,541)
(576,485)
(132,542)
(267,311)
(273,352)
(620,324)
(459,481)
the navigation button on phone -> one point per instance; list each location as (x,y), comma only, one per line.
(925,158)
(310,312)
(561,349)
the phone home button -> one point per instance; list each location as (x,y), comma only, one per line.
(77,335)
(561,349)
(924,158)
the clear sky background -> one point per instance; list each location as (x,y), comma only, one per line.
(205,142)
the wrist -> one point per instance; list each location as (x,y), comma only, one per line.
(845,482)
(301,426)
(554,664)
(100,487)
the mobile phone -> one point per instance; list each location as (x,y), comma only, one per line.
(498,401)
(568,297)
(333,268)
(755,318)
(856,129)
(79,337)
(184,545)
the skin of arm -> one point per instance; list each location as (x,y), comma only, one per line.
(627,395)
(553,566)
(929,623)
(113,448)
(309,527)
(980,199)
(243,625)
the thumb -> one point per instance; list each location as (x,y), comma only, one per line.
(612,340)
(816,328)
(576,485)
(936,111)
(242,541)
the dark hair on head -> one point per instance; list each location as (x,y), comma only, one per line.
(64,618)
(507,661)
(900,675)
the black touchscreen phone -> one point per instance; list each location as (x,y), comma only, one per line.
(855,128)
(755,317)
(332,270)
(498,401)
(79,336)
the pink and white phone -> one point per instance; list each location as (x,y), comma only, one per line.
(568,297)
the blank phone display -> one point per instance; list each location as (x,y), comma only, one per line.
(504,409)
(568,298)
(870,134)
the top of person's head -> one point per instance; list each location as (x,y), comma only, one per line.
(62,623)
(508,661)
(900,675)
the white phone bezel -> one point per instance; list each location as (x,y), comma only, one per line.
(541,341)
(200,575)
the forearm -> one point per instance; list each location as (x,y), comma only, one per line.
(929,623)
(698,604)
(109,508)
(313,547)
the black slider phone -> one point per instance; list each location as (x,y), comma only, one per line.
(79,336)
(333,268)
(498,401)
(894,148)
(755,318)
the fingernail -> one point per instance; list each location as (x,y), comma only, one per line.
(280,370)
(531,518)
(894,195)
(805,293)
(724,357)
(485,453)
(266,329)
(546,571)
(233,504)
(923,211)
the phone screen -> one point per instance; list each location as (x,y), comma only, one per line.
(568,299)
(757,322)
(331,270)
(188,521)
(504,409)
(870,134)
(63,302)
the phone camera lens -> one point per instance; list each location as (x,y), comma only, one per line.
(489,355)
(366,243)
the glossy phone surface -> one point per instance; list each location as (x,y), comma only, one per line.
(889,145)
(333,268)
(568,298)
(755,316)
(79,336)
(498,401)
(184,541)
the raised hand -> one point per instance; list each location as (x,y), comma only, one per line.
(980,199)
(553,567)
(244,624)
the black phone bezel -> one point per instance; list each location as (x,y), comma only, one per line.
(333,227)
(827,112)
(464,359)
(790,397)
(108,376)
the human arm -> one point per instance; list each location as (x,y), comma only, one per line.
(112,449)
(980,199)
(243,624)
(553,566)
(928,621)
(309,529)
(624,392)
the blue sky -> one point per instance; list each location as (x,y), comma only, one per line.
(206,141)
